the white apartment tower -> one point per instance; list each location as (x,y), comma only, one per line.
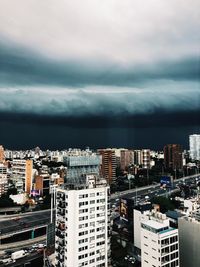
(159,242)
(83,224)
(145,158)
(194,141)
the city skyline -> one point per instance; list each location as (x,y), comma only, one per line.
(99,75)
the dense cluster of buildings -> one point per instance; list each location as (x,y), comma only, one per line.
(82,179)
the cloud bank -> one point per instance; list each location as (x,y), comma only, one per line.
(97,101)
(99,59)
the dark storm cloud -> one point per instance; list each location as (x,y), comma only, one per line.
(22,67)
(159,119)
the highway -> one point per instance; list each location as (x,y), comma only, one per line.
(151,188)
(13,224)
(139,194)
(22,244)
(26,259)
(22,215)
(23,223)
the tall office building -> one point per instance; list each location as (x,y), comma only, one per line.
(81,162)
(189,229)
(159,242)
(173,156)
(22,175)
(2,154)
(108,167)
(194,141)
(83,223)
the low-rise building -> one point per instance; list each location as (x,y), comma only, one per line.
(159,242)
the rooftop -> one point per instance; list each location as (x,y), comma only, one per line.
(154,224)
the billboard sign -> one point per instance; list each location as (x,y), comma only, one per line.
(124,209)
(35,193)
(165,181)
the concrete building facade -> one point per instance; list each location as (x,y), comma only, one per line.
(3,180)
(109,164)
(194,142)
(173,156)
(126,158)
(83,224)
(2,154)
(189,229)
(145,158)
(159,242)
(22,175)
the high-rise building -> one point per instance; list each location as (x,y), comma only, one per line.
(22,175)
(108,167)
(2,154)
(126,158)
(189,229)
(83,223)
(145,158)
(173,156)
(3,179)
(85,162)
(194,141)
(137,157)
(159,242)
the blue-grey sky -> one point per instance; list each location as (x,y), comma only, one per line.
(109,68)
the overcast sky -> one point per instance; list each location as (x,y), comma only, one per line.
(99,64)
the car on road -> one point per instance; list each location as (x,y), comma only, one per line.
(17,218)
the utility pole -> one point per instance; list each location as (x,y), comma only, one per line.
(136,195)
(175,174)
(44,262)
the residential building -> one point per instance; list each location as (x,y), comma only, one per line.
(140,213)
(108,167)
(194,142)
(83,223)
(145,158)
(42,183)
(173,156)
(159,242)
(2,154)
(22,175)
(126,158)
(137,157)
(3,180)
(189,229)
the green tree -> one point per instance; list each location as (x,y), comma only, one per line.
(5,201)
(12,191)
(164,203)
